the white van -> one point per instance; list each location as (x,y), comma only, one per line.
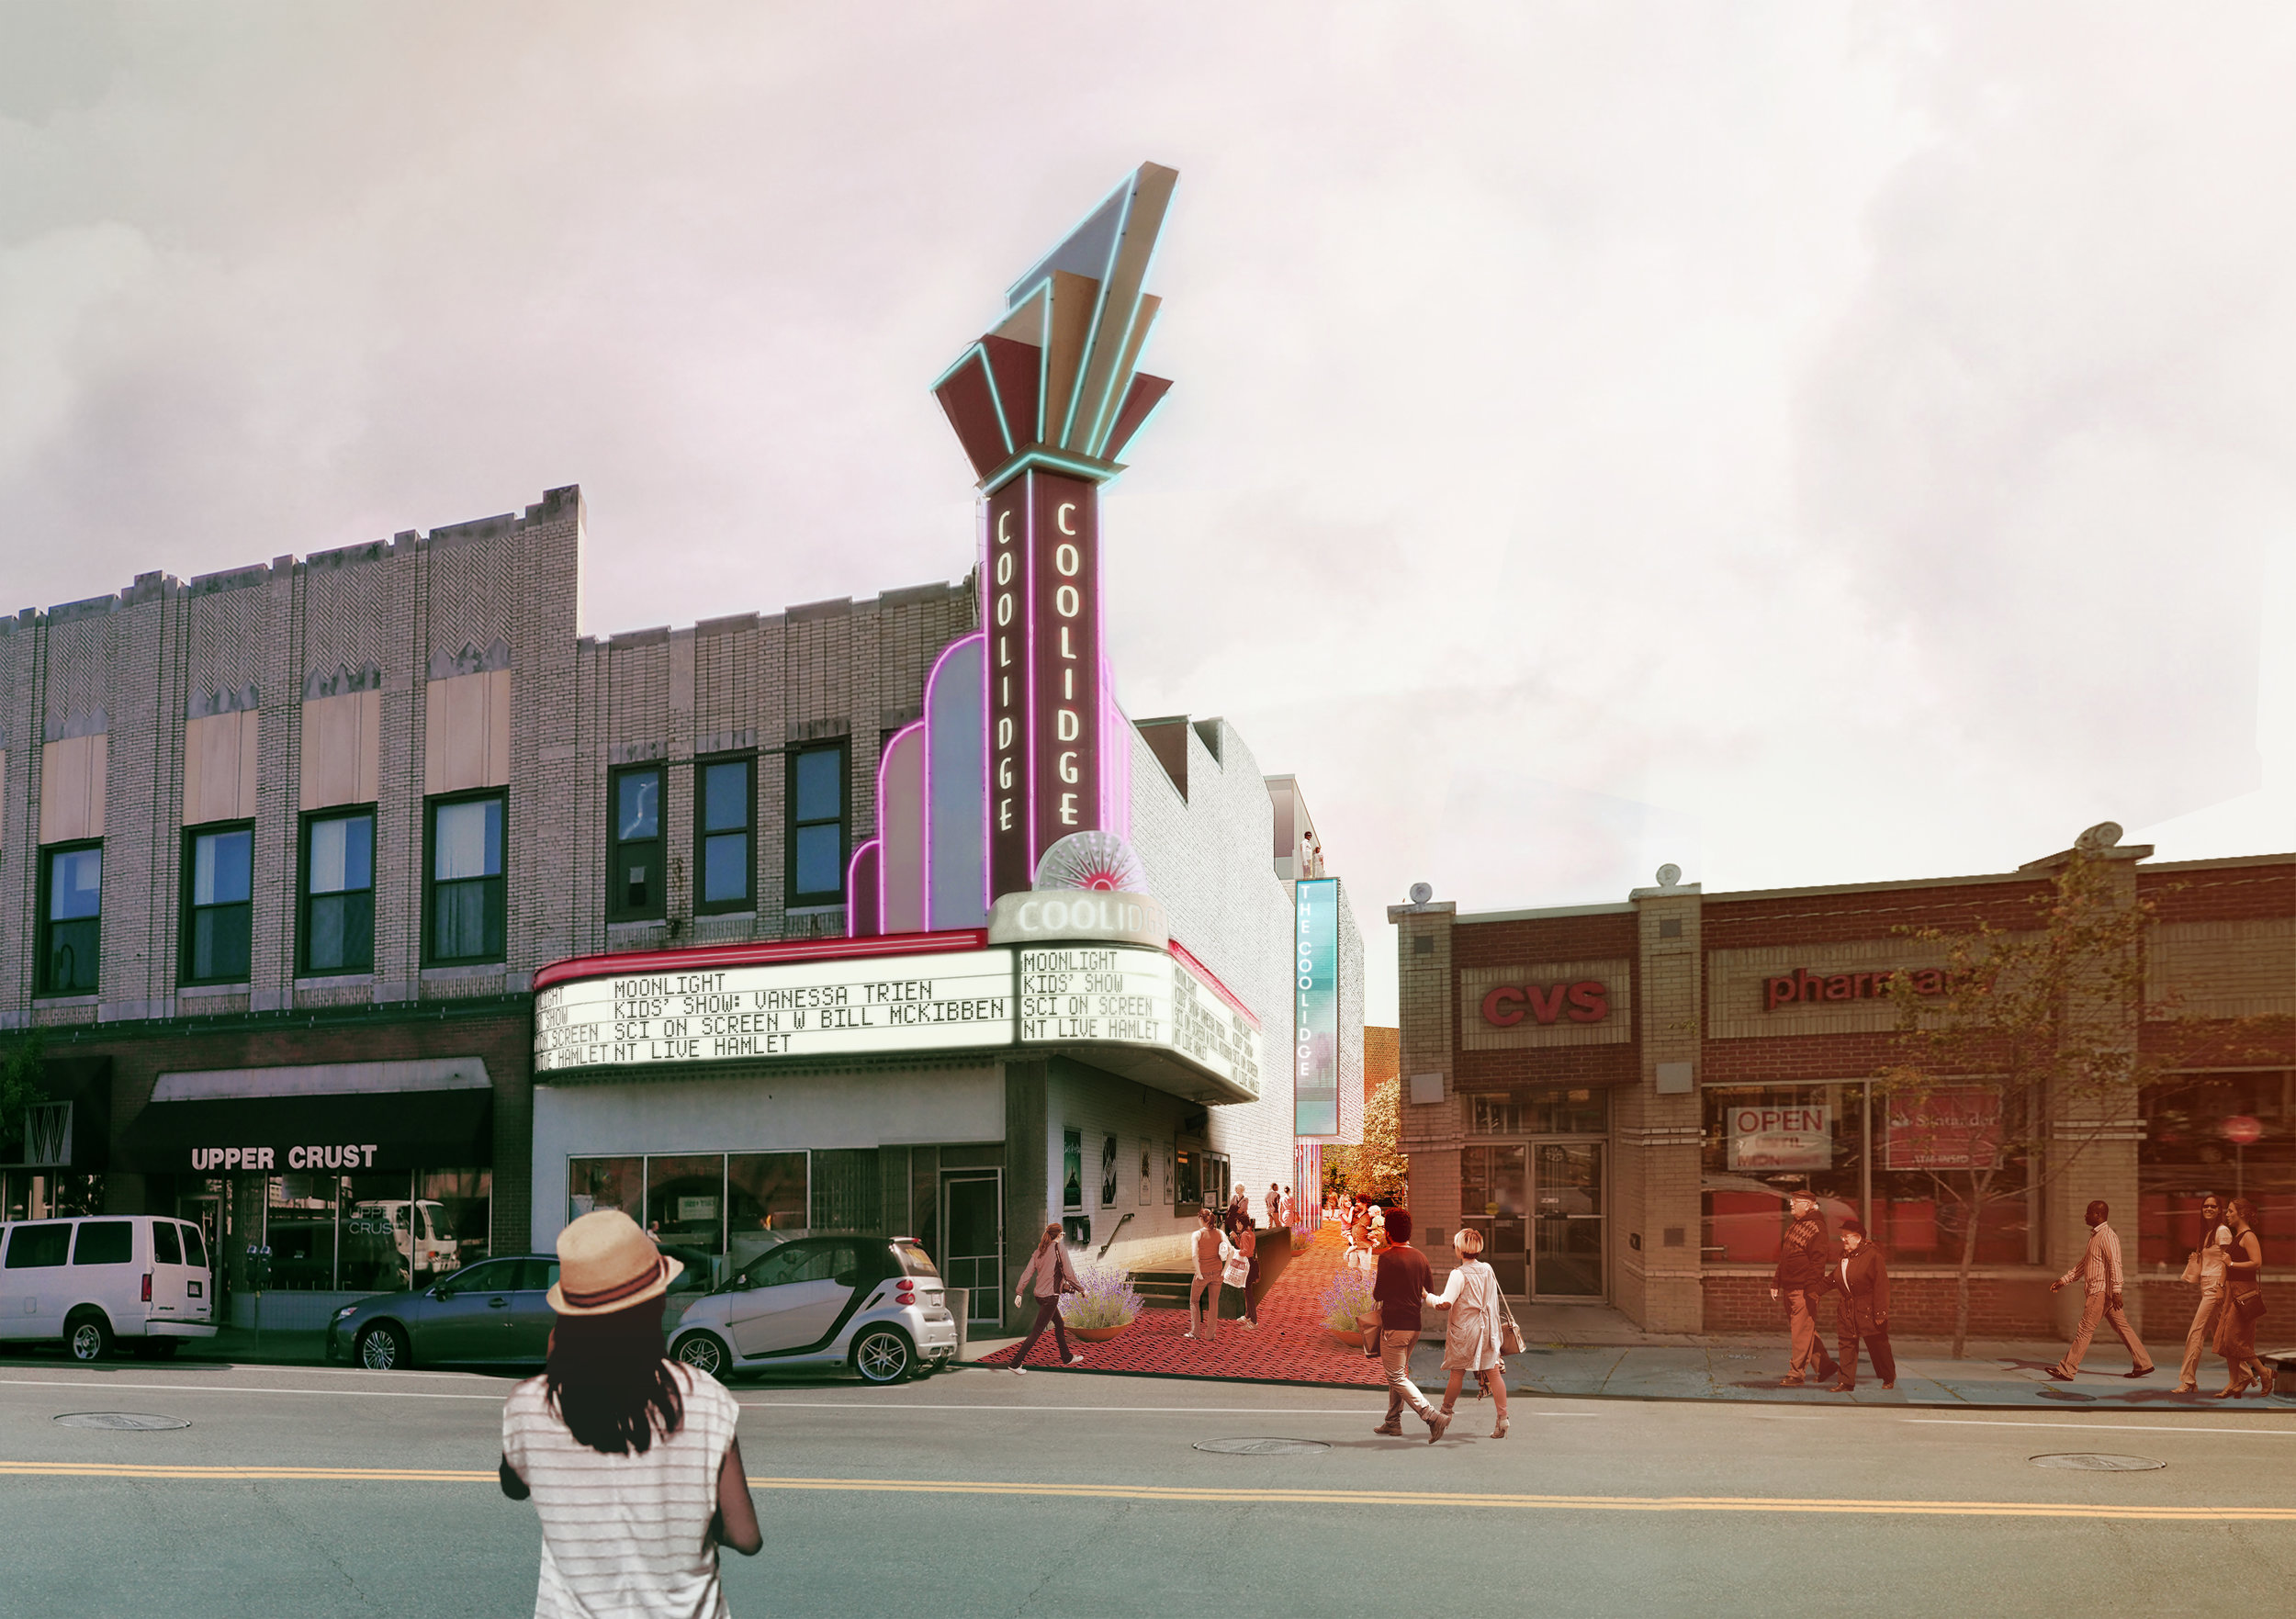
(87,1283)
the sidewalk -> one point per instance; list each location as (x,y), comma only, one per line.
(1592,1352)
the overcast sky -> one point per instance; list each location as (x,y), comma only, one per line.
(1808,443)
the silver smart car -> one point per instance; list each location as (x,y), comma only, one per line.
(873,1303)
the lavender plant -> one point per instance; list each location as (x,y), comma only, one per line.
(1107,1300)
(1347,1300)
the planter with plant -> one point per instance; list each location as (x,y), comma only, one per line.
(1105,1307)
(1345,1302)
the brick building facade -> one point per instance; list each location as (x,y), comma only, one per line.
(231,811)
(1621,1095)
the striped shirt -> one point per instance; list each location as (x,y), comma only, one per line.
(622,1535)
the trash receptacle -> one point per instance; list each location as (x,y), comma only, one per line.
(960,1303)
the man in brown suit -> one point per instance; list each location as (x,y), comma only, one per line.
(1799,1282)
(1864,1309)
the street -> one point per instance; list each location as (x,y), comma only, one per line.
(321,1492)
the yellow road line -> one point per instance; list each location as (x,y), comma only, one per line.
(1197,1495)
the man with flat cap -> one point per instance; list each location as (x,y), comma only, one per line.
(1799,1282)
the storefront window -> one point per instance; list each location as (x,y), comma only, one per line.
(1763,1141)
(300,1231)
(685,1201)
(766,1192)
(50,1194)
(2231,1134)
(459,1206)
(1550,1110)
(592,1184)
(847,1192)
(382,1236)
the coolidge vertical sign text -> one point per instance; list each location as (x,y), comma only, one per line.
(1315,1008)
(1045,698)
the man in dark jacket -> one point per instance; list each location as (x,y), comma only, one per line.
(1864,1309)
(1800,1281)
(1400,1284)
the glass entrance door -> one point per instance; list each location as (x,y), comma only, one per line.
(1567,1221)
(973,1213)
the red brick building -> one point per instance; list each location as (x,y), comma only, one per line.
(1620,1096)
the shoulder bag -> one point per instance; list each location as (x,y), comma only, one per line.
(1510,1335)
(2192,1268)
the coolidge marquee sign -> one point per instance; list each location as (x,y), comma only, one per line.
(997,997)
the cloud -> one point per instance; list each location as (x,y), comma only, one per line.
(1808,443)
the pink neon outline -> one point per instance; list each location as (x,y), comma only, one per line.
(884,762)
(853,884)
(578,968)
(1028,659)
(930,681)
(988,701)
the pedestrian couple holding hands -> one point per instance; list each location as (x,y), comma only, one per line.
(1478,1329)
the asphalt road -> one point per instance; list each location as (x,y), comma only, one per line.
(322,1493)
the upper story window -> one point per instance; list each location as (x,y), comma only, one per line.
(464,904)
(218,872)
(71,918)
(817,825)
(724,801)
(635,889)
(338,897)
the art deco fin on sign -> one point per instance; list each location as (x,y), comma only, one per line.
(1022,744)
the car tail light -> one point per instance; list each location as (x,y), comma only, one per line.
(147,1287)
(905,1296)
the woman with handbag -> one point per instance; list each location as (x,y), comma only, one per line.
(2243,1302)
(1475,1332)
(1049,1275)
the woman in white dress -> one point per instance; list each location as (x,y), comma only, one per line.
(1471,1335)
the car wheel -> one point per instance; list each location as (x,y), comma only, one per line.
(884,1354)
(705,1352)
(88,1336)
(383,1348)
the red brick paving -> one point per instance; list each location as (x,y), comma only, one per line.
(1290,1346)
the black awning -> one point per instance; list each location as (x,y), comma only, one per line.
(350,1131)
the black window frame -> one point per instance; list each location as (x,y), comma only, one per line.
(187,912)
(430,806)
(304,897)
(657,908)
(702,904)
(48,853)
(796,898)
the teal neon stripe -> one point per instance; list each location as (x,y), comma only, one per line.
(1099,306)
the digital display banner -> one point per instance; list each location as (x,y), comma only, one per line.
(957,1001)
(1131,996)
(1315,1008)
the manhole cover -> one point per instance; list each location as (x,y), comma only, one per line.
(2090,1461)
(1263,1446)
(142,1422)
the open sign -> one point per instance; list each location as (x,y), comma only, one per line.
(1783,1136)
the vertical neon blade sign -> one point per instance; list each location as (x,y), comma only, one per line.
(1065,714)
(1010,871)
(1315,1008)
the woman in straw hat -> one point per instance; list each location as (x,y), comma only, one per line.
(630,1457)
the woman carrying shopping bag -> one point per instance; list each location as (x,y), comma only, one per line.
(1478,1320)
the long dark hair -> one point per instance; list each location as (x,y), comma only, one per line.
(610,1382)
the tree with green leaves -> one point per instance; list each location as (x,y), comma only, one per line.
(2027,1054)
(1376,1168)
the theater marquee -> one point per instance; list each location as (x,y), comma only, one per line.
(1149,1013)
